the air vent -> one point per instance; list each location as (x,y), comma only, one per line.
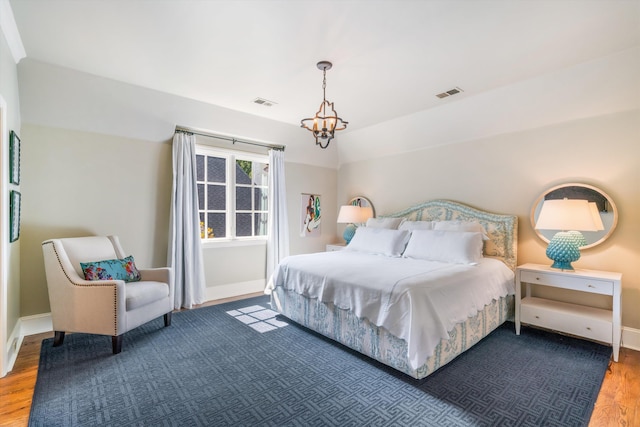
(264,102)
(449,92)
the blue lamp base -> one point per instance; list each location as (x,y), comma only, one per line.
(349,232)
(564,248)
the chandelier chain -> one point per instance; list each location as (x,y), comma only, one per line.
(324,84)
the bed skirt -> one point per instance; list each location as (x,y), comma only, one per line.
(377,343)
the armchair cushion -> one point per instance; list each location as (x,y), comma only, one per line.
(142,293)
(111,269)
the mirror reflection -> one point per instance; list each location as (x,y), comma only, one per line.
(363,202)
(606,209)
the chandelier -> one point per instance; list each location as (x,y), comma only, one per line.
(326,121)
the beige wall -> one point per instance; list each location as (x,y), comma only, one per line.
(10,94)
(79,183)
(506,174)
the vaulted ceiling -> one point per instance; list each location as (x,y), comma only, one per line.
(390,58)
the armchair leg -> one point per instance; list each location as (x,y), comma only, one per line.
(116,343)
(167,319)
(58,339)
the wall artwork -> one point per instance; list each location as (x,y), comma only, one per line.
(14,158)
(14,216)
(310,215)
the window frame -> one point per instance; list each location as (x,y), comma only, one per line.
(230,157)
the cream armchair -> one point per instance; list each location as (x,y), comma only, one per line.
(106,307)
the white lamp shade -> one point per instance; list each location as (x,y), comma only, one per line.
(567,214)
(351,214)
(596,216)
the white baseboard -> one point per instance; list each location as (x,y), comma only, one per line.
(28,325)
(234,290)
(631,338)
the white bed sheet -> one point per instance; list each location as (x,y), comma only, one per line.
(415,300)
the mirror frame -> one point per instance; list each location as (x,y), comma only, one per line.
(363,201)
(614,209)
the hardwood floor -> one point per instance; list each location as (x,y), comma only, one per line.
(618,403)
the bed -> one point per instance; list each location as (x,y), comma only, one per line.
(375,304)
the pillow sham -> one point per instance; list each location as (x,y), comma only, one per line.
(455,247)
(416,225)
(461,226)
(379,241)
(389,223)
(111,269)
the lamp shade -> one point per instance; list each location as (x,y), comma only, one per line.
(596,216)
(351,214)
(567,214)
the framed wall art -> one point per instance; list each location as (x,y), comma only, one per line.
(14,158)
(14,216)
(310,215)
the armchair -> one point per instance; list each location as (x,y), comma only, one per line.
(105,307)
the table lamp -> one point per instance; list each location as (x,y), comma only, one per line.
(570,217)
(352,215)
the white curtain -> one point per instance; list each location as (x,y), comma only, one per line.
(185,251)
(278,226)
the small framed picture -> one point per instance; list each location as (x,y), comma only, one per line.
(14,158)
(14,216)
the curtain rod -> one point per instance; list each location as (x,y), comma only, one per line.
(227,138)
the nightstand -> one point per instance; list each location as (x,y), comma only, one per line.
(583,321)
(335,247)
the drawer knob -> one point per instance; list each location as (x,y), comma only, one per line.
(590,286)
(537,317)
(537,278)
(588,328)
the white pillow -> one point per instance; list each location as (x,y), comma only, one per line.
(380,241)
(390,223)
(456,247)
(461,226)
(416,225)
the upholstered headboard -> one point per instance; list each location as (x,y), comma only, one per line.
(501,229)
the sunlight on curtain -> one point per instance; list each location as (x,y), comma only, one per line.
(185,251)
(278,226)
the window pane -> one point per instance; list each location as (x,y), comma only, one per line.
(199,168)
(216,169)
(243,224)
(243,172)
(201,196)
(202,235)
(260,224)
(216,197)
(217,225)
(260,174)
(243,198)
(260,199)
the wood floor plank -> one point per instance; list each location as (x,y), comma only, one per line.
(618,402)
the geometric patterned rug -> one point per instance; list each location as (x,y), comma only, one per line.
(209,368)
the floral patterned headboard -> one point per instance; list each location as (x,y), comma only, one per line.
(501,229)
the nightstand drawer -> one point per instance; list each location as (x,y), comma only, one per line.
(576,283)
(587,322)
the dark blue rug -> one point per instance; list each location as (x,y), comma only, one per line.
(211,369)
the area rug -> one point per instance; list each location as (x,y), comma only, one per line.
(212,369)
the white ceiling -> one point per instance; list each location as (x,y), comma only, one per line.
(390,57)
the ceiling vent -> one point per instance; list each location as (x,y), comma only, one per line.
(450,92)
(264,102)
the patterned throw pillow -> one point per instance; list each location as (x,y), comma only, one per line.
(111,269)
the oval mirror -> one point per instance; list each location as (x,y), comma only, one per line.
(363,202)
(606,208)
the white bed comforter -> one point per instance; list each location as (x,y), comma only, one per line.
(417,301)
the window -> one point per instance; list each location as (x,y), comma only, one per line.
(232,194)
